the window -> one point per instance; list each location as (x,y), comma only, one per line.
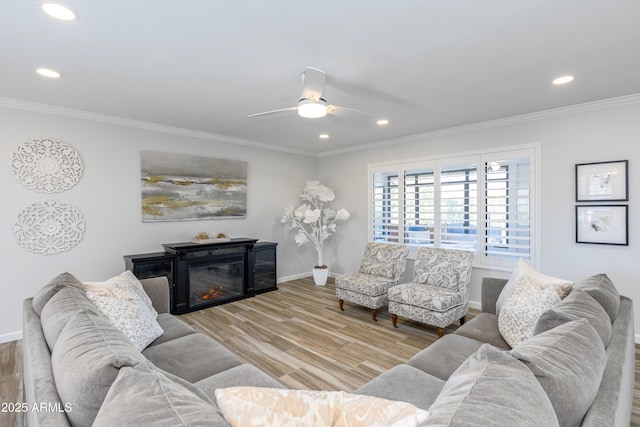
(481,202)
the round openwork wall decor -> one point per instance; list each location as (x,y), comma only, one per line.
(49,227)
(46,165)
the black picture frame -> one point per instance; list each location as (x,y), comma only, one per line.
(602,224)
(602,181)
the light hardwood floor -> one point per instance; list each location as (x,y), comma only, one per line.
(299,336)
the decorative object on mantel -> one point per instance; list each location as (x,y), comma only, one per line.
(49,227)
(315,222)
(203,238)
(177,187)
(46,165)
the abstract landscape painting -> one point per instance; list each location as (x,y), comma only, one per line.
(177,187)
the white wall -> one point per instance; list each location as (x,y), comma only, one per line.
(599,132)
(108,195)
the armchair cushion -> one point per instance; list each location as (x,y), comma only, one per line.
(367,284)
(445,268)
(426,296)
(382,259)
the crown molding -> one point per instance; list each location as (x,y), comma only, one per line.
(17,104)
(474,127)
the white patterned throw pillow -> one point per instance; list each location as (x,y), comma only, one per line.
(119,300)
(561,286)
(521,311)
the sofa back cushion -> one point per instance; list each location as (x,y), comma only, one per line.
(160,399)
(85,361)
(602,289)
(568,361)
(60,309)
(59,282)
(578,305)
(491,388)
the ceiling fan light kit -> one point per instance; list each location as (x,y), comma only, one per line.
(310,109)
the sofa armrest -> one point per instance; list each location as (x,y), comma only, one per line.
(158,290)
(491,288)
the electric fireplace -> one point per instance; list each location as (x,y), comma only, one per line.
(204,275)
(211,274)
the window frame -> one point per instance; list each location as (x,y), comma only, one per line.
(481,158)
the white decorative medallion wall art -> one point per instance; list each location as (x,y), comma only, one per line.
(49,227)
(46,165)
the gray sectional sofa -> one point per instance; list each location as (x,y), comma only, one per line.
(80,370)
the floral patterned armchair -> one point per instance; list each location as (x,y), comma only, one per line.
(439,292)
(382,267)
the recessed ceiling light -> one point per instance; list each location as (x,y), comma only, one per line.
(382,122)
(323,136)
(562,80)
(46,72)
(58,11)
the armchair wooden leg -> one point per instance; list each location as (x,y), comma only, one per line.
(341,302)
(440,332)
(374,313)
(464,319)
(394,319)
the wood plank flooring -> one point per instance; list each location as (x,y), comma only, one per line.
(299,336)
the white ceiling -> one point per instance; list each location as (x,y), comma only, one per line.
(425,65)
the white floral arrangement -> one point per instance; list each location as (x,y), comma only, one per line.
(313,221)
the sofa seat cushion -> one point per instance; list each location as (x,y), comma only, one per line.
(492,388)
(602,289)
(252,406)
(59,282)
(366,284)
(173,328)
(568,361)
(60,309)
(86,360)
(445,355)
(429,297)
(241,375)
(484,328)
(578,305)
(145,396)
(406,384)
(191,357)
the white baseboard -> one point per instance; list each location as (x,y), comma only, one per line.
(11,336)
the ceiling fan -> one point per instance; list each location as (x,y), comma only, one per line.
(311,104)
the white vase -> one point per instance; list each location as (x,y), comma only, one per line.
(320,275)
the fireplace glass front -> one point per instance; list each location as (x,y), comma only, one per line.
(214,281)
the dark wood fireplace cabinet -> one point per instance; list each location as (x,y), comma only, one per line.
(204,275)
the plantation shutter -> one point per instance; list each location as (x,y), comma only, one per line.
(385,207)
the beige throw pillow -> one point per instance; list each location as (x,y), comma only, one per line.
(561,286)
(252,406)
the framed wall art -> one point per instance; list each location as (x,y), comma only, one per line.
(602,224)
(177,187)
(602,181)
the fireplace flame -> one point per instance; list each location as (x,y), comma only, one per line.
(212,293)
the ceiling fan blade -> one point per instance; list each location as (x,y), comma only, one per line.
(346,112)
(312,83)
(273,112)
